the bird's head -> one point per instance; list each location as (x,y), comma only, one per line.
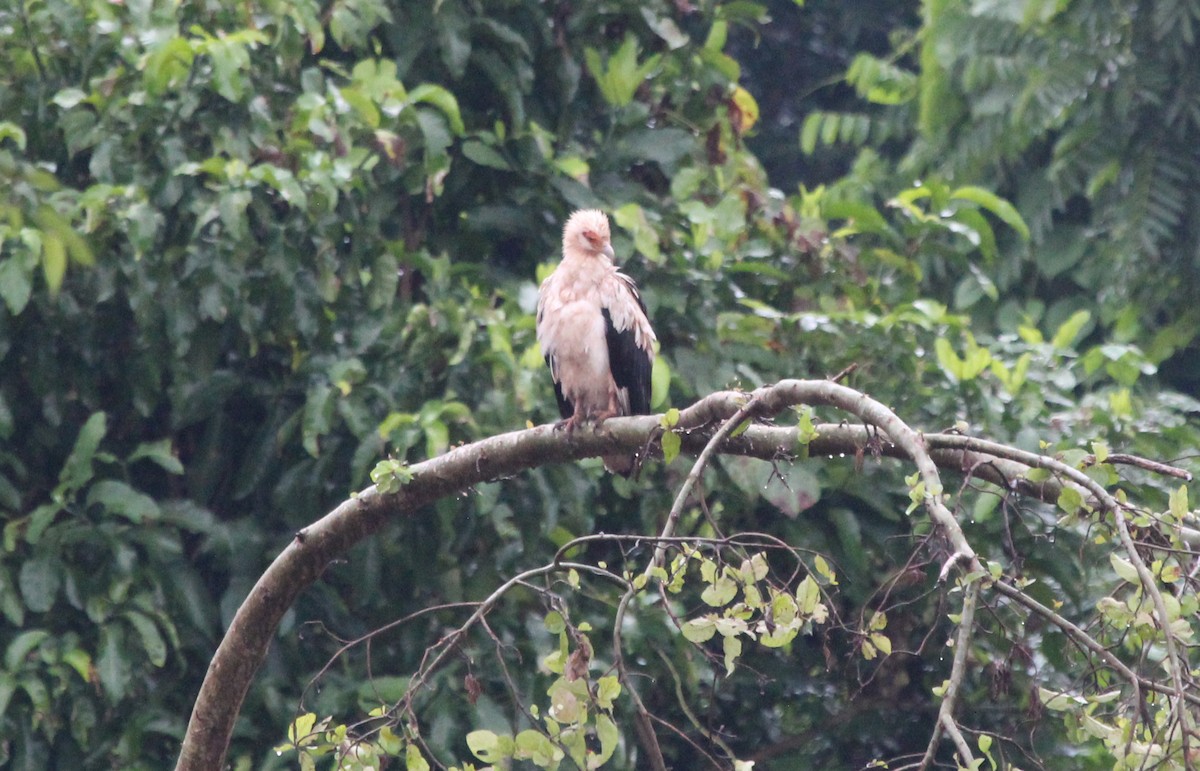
(586,234)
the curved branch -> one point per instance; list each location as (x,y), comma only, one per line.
(303,560)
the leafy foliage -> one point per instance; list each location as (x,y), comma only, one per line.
(1084,115)
(248,251)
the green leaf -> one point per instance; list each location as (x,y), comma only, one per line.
(670,446)
(80,661)
(363,105)
(484,155)
(414,760)
(783,607)
(732,647)
(1124,569)
(1069,330)
(608,688)
(717,35)
(161,453)
(230,59)
(1005,211)
(391,475)
(152,641)
(810,131)
(114,665)
(554,622)
(722,63)
(660,382)
(533,745)
(167,65)
(9,130)
(10,600)
(808,594)
(40,579)
(8,688)
(969,367)
(755,568)
(632,218)
(880,81)
(619,77)
(823,569)
(609,737)
(1058,701)
(1070,500)
(68,97)
(868,650)
(54,261)
(318,417)
(948,360)
(78,468)
(300,731)
(568,700)
(721,592)
(39,695)
(699,630)
(443,100)
(119,498)
(1178,502)
(15,285)
(21,647)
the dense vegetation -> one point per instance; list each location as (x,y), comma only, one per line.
(248,250)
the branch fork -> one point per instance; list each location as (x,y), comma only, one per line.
(305,557)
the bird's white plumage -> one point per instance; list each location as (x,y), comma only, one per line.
(575,336)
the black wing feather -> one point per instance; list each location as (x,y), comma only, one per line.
(565,408)
(630,364)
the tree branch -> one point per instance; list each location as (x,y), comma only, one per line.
(303,560)
(958,671)
(645,728)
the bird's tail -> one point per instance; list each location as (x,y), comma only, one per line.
(624,465)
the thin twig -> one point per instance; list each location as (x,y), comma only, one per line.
(958,671)
(946,721)
(1110,504)
(1163,469)
(450,641)
(691,716)
(348,644)
(1085,640)
(642,716)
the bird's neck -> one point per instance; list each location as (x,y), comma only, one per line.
(588,267)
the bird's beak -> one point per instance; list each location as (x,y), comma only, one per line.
(608,250)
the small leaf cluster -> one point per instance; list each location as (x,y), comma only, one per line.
(770,615)
(315,740)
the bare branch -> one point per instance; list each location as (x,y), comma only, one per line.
(1161,469)
(958,671)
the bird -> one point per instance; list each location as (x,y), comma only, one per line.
(594,333)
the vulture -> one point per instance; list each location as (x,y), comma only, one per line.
(593,331)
